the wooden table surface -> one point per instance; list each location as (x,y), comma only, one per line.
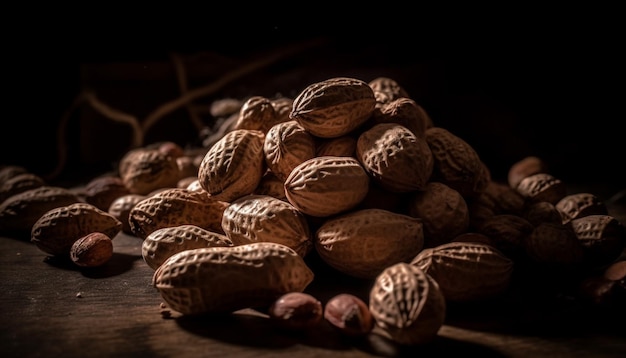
(54,309)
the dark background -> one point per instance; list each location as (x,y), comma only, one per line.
(511,83)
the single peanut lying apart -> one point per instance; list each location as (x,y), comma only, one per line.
(296,310)
(92,250)
(349,314)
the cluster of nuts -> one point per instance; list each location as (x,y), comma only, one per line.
(354,172)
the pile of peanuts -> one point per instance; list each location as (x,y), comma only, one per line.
(354,173)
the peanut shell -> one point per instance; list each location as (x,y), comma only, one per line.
(165,242)
(145,170)
(577,205)
(234,165)
(363,243)
(324,186)
(333,107)
(260,218)
(407,305)
(174,207)
(19,212)
(286,145)
(227,279)
(443,211)
(456,163)
(466,271)
(395,158)
(58,229)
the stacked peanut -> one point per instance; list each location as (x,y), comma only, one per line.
(357,174)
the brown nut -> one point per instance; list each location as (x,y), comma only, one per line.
(443,211)
(349,314)
(334,107)
(457,164)
(19,184)
(574,206)
(286,145)
(102,191)
(92,250)
(524,168)
(324,186)
(602,237)
(362,243)
(257,113)
(19,212)
(388,89)
(395,158)
(234,165)
(58,229)
(407,305)
(296,310)
(542,187)
(466,271)
(145,170)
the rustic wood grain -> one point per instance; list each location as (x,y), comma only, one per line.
(53,308)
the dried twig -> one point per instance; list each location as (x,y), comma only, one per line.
(229,77)
(181,75)
(187,96)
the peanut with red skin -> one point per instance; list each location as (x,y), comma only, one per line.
(296,310)
(349,314)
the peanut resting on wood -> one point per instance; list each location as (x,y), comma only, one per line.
(226,279)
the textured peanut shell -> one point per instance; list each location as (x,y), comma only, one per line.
(120,209)
(577,205)
(263,218)
(282,108)
(102,191)
(554,245)
(507,233)
(390,87)
(19,212)
(165,242)
(407,305)
(56,231)
(324,186)
(18,184)
(234,165)
(226,279)
(466,271)
(333,107)
(542,187)
(395,158)
(443,211)
(363,243)
(406,112)
(174,207)
(456,163)
(145,170)
(257,113)
(286,145)
(602,237)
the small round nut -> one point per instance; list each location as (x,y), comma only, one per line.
(349,314)
(296,310)
(92,250)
